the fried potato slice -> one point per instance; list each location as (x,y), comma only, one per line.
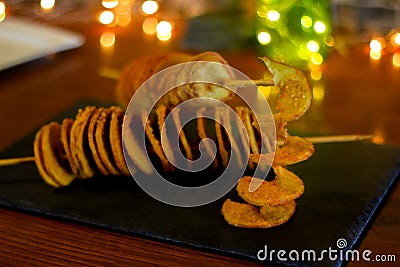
(294,150)
(229,130)
(92,141)
(103,144)
(134,151)
(279,213)
(295,93)
(39,160)
(79,144)
(116,139)
(248,216)
(221,145)
(285,187)
(201,128)
(182,135)
(155,143)
(65,140)
(161,112)
(54,155)
(244,114)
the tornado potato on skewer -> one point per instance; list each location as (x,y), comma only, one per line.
(92,142)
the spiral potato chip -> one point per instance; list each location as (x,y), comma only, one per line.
(249,216)
(116,139)
(285,187)
(80,145)
(103,141)
(39,160)
(93,144)
(54,154)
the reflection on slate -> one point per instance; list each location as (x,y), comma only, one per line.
(344,185)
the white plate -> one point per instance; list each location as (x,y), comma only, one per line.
(22,41)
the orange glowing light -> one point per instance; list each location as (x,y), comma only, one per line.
(318,93)
(106,17)
(396,59)
(164,30)
(316,74)
(47,4)
(149,26)
(378,140)
(375,55)
(375,45)
(149,7)
(123,9)
(107,39)
(316,58)
(2,11)
(109,3)
(124,20)
(395,39)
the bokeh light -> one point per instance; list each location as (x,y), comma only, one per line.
(318,92)
(313,46)
(109,3)
(375,45)
(2,11)
(316,58)
(107,39)
(273,15)
(306,21)
(149,7)
(164,30)
(264,38)
(396,59)
(395,39)
(47,4)
(106,17)
(375,55)
(319,27)
(149,26)
(316,74)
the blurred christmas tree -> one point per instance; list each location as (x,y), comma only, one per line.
(297,32)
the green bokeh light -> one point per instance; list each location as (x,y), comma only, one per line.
(300,31)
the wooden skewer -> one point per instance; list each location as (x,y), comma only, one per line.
(339,138)
(267,81)
(314,139)
(15,161)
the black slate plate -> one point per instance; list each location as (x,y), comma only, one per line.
(345,183)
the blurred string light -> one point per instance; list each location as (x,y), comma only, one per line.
(388,45)
(264,38)
(164,30)
(297,32)
(273,15)
(110,3)
(2,11)
(318,93)
(47,4)
(149,26)
(316,74)
(149,7)
(106,17)
(375,46)
(395,39)
(396,59)
(119,12)
(107,39)
(313,46)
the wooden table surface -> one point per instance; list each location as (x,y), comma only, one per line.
(355,95)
